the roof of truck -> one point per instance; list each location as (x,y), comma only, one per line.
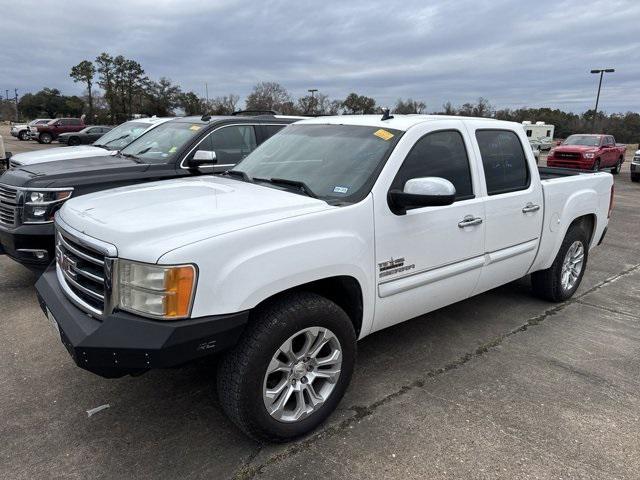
(398,122)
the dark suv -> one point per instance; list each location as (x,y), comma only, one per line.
(48,132)
(31,194)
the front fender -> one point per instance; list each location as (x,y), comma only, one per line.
(239,270)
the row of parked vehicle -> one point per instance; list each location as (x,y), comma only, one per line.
(277,242)
(70,131)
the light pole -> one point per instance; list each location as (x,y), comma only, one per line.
(313,100)
(601,71)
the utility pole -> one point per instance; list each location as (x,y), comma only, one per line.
(15,91)
(601,71)
(313,100)
(206,90)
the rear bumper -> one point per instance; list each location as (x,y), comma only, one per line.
(25,241)
(123,344)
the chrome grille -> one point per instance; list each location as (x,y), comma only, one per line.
(567,155)
(8,205)
(83,272)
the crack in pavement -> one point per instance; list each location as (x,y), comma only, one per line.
(247,472)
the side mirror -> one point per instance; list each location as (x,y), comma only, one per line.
(203,158)
(558,143)
(422,192)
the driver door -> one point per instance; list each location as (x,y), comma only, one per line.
(431,256)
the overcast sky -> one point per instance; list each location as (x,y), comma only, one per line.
(515,53)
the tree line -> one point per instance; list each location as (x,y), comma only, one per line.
(117,88)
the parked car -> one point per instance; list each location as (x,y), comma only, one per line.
(535,147)
(21,131)
(31,194)
(84,136)
(333,229)
(48,132)
(588,152)
(108,144)
(635,167)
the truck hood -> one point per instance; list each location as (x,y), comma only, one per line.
(146,221)
(575,148)
(58,153)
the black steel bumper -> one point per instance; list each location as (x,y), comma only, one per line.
(122,344)
(22,243)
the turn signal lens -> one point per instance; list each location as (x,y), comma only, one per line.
(179,287)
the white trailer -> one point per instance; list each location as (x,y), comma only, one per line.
(540,131)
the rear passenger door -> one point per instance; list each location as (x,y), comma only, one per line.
(232,144)
(513,205)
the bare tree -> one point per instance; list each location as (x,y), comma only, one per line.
(269,96)
(409,106)
(224,105)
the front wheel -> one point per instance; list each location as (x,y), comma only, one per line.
(560,281)
(290,369)
(635,178)
(616,170)
(45,138)
(596,165)
(73,141)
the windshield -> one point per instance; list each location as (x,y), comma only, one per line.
(122,135)
(586,140)
(336,162)
(161,144)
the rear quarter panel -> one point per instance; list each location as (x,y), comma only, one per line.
(566,199)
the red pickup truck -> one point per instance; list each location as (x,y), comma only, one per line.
(48,132)
(588,152)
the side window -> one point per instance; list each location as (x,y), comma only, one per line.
(529,132)
(548,133)
(64,121)
(504,161)
(438,154)
(233,143)
(74,121)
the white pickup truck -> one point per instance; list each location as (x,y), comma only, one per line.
(334,228)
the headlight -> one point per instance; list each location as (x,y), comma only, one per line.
(589,155)
(158,291)
(41,205)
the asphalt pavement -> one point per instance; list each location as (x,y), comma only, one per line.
(502,385)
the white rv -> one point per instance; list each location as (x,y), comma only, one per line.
(540,133)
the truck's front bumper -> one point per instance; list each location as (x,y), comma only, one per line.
(581,164)
(30,245)
(122,344)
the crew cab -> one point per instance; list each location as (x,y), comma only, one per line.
(108,144)
(21,131)
(588,152)
(48,132)
(31,194)
(333,229)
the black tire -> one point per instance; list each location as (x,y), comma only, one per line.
(635,178)
(241,371)
(616,170)
(73,141)
(23,135)
(547,283)
(596,165)
(45,138)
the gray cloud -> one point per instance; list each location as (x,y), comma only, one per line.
(513,53)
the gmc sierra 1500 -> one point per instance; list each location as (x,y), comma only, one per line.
(333,229)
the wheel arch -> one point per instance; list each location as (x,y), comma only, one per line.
(344,290)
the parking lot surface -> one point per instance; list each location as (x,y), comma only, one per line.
(502,385)
(13,145)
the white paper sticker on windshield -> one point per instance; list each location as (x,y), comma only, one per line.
(340,189)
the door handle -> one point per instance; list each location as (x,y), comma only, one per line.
(530,207)
(469,221)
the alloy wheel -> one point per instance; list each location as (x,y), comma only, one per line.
(572,265)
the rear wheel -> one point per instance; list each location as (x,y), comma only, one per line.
(290,369)
(616,170)
(23,135)
(45,138)
(635,178)
(560,281)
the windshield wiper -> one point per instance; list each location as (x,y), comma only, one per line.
(301,186)
(132,157)
(104,145)
(238,173)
